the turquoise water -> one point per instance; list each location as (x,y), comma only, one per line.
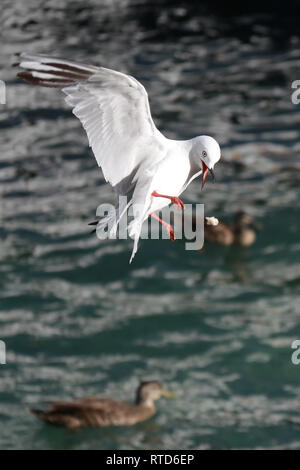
(216,327)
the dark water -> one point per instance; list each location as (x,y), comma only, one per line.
(217,326)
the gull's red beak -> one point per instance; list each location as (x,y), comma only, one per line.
(205,170)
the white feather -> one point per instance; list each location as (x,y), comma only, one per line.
(134,156)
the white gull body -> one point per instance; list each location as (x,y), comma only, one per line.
(135,157)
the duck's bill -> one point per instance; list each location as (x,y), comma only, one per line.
(168,394)
(205,171)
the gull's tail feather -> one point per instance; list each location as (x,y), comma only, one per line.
(134,231)
(120,211)
(111,220)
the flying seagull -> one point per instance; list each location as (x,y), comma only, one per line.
(140,163)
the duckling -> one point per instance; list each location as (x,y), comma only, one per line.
(100,412)
(240,232)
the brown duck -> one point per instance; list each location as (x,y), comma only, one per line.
(240,232)
(99,412)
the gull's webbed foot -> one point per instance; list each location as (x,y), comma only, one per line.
(176,201)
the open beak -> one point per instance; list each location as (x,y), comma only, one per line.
(205,170)
(167,394)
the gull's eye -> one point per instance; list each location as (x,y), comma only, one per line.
(204,154)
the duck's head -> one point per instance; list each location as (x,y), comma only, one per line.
(148,392)
(206,153)
(244,224)
(244,219)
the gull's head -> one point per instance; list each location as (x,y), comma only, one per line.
(207,152)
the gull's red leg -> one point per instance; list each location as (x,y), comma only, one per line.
(176,201)
(167,226)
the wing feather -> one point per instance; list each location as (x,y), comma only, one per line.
(113,108)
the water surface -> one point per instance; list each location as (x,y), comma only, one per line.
(216,326)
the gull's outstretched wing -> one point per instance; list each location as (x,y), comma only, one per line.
(112,107)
